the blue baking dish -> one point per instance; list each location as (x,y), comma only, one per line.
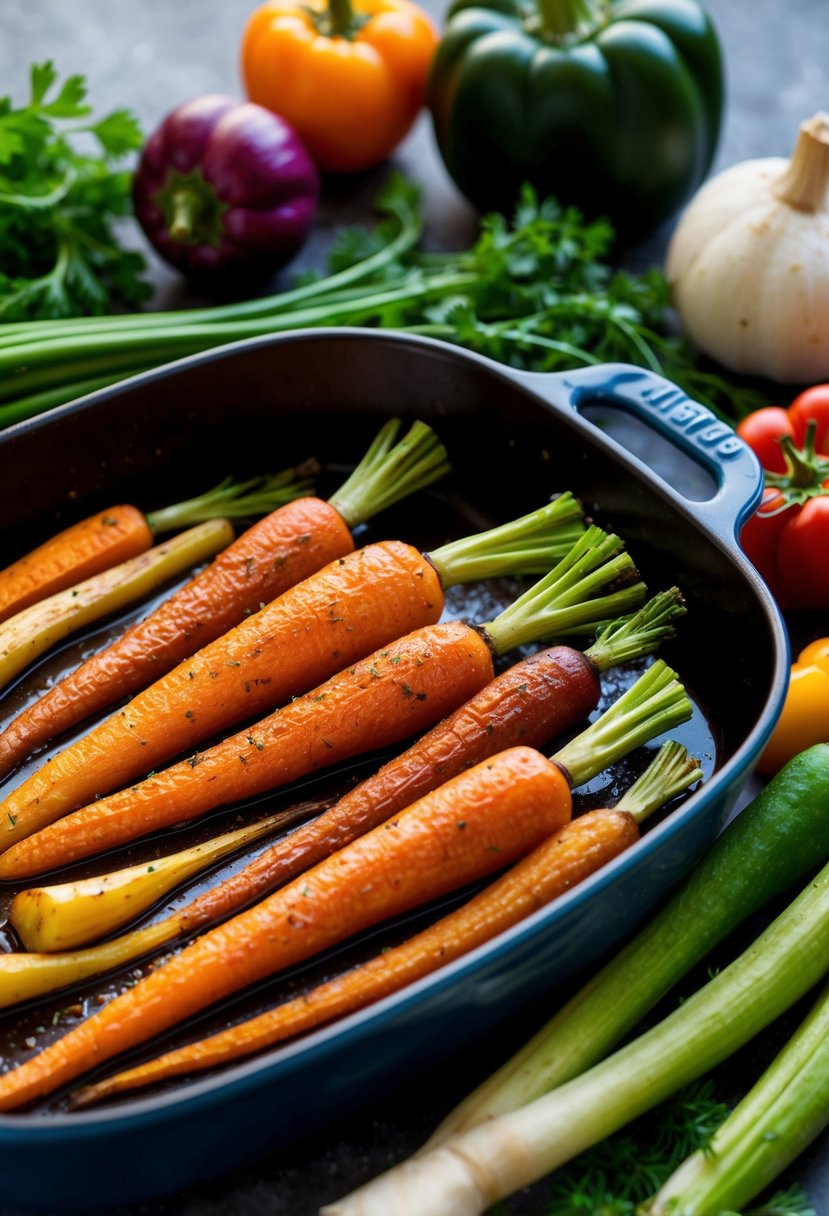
(513,438)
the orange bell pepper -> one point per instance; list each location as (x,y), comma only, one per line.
(805,716)
(349,78)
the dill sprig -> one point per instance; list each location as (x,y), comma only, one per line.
(615,1177)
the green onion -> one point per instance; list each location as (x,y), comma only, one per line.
(467,1173)
(784,1112)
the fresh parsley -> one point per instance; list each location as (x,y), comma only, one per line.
(60,196)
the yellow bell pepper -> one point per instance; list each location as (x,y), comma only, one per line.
(805,716)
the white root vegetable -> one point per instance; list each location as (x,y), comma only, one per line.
(749,263)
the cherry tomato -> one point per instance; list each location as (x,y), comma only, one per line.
(803,555)
(762,430)
(789,545)
(812,403)
(760,538)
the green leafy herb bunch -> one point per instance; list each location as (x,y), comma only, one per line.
(61,194)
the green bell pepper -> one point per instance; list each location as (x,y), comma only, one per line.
(611,105)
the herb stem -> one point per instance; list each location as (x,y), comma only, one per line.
(667,776)
(236,499)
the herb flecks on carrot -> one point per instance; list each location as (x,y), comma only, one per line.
(569,856)
(286,547)
(30,633)
(118,533)
(355,604)
(283,549)
(530,703)
(80,551)
(482,820)
(394,693)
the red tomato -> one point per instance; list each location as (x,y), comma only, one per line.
(803,555)
(762,430)
(760,539)
(812,403)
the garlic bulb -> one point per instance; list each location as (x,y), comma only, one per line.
(749,263)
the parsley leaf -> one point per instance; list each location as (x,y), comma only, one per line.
(60,194)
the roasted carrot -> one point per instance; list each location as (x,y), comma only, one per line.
(87,548)
(392,694)
(558,864)
(113,536)
(476,823)
(338,615)
(530,703)
(285,547)
(70,914)
(28,634)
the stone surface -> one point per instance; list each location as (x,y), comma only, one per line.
(151,56)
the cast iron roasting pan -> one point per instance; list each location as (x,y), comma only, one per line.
(514,438)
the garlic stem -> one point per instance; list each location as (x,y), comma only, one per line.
(805,182)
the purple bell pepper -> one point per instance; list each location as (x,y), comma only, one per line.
(224,187)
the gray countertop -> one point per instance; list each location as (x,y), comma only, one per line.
(150,56)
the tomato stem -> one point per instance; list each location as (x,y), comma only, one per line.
(806,472)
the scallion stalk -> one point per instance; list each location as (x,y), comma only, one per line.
(784,1112)
(470,1171)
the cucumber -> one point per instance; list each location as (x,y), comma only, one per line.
(780,839)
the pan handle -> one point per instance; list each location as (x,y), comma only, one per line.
(691,427)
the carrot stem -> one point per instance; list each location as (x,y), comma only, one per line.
(237,499)
(657,702)
(529,545)
(670,774)
(631,637)
(566,600)
(391,470)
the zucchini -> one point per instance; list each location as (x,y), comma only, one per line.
(781,838)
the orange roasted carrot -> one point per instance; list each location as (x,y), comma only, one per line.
(536,699)
(282,549)
(340,614)
(566,858)
(115,535)
(343,612)
(394,693)
(87,548)
(476,823)
(287,546)
(530,703)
